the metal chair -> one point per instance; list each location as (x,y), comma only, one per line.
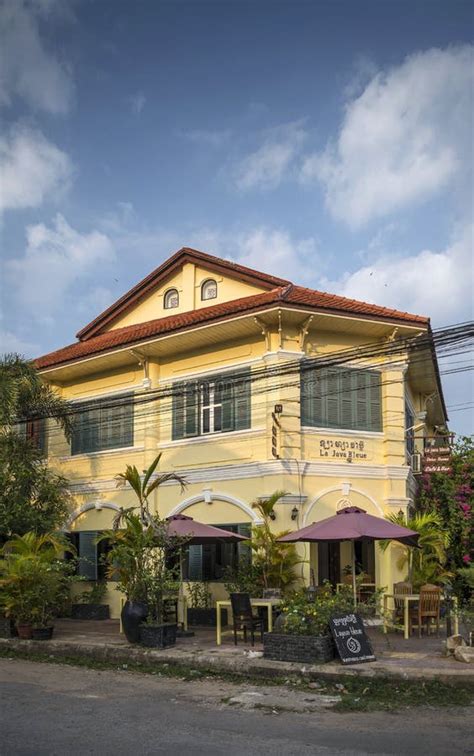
(243,617)
(428,607)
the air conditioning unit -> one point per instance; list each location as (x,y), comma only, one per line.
(416,464)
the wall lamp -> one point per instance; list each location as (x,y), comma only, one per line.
(294,513)
(272,515)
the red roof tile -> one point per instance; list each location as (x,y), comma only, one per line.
(160,274)
(296,296)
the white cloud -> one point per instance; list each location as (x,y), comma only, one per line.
(437,284)
(54,262)
(406,137)
(266,167)
(27,69)
(10,342)
(32,169)
(208,137)
(137,102)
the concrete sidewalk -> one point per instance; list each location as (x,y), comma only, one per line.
(101,641)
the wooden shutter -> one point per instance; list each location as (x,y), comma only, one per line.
(332,399)
(347,398)
(87,566)
(313,387)
(306,378)
(244,551)
(361,399)
(375,401)
(194,562)
(85,437)
(242,401)
(178,411)
(191,409)
(116,423)
(224,393)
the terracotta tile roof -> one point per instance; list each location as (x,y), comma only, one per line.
(295,296)
(160,274)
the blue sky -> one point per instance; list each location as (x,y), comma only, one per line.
(329,142)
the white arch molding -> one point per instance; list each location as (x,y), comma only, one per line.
(97,505)
(306,518)
(197,498)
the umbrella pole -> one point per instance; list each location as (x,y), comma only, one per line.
(354,587)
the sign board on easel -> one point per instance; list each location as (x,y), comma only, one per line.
(352,643)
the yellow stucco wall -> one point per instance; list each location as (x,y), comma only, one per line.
(326,469)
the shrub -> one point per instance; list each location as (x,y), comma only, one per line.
(304,616)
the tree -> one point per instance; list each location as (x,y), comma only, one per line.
(24,395)
(32,497)
(427,563)
(275,561)
(142,486)
(451,496)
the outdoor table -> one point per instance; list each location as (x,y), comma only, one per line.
(359,585)
(269,603)
(407,597)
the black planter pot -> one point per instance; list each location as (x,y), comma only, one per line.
(206,617)
(158,636)
(42,633)
(90,612)
(133,614)
(7,627)
(309,649)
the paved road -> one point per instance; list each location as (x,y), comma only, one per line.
(52,709)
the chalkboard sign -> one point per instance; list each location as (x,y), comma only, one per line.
(352,643)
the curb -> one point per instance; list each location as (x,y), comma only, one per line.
(243,666)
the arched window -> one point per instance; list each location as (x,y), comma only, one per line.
(209,289)
(171,299)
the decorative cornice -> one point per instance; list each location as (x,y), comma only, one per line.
(264,469)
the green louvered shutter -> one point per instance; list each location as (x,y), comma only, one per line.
(346,398)
(178,411)
(361,397)
(191,420)
(332,399)
(195,563)
(306,378)
(374,392)
(87,563)
(224,394)
(244,551)
(242,401)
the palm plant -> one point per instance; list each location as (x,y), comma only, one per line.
(275,561)
(24,395)
(142,488)
(427,562)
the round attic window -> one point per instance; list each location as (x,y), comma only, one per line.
(171,299)
(209,289)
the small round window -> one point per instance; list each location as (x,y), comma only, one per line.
(209,289)
(171,299)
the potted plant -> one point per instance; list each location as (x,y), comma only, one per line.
(33,580)
(156,631)
(89,605)
(301,633)
(201,611)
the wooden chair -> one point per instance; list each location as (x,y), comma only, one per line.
(244,619)
(428,608)
(400,589)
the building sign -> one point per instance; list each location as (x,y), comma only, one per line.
(352,643)
(437,459)
(346,449)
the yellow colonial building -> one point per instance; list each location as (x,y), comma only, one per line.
(247,384)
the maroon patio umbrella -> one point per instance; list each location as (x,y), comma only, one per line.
(353,524)
(197,533)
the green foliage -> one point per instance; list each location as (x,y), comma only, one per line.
(276,562)
(246,578)
(451,496)
(94,595)
(304,616)
(140,560)
(34,580)
(143,488)
(24,395)
(426,564)
(200,595)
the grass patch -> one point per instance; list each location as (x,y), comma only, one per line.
(357,693)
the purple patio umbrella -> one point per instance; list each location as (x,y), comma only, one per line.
(197,533)
(353,524)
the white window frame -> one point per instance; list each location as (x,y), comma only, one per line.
(167,295)
(205,284)
(211,406)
